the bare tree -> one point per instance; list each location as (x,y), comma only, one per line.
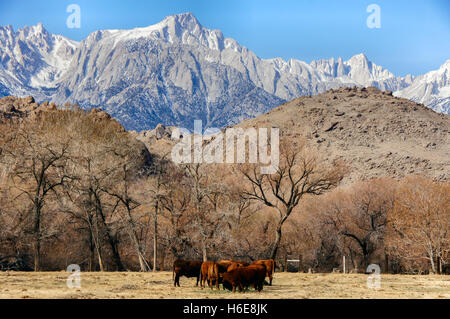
(177,211)
(155,192)
(37,156)
(365,220)
(298,174)
(208,195)
(93,163)
(419,224)
(125,167)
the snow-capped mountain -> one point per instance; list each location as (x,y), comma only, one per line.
(358,70)
(431,89)
(176,71)
(32,59)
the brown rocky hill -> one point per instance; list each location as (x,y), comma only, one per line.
(20,110)
(375,133)
(17,109)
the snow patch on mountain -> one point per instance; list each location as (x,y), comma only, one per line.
(32,57)
(431,89)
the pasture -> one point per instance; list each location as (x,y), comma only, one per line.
(117,285)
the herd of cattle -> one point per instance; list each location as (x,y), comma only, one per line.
(231,274)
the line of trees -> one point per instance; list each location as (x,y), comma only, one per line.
(403,226)
(75,188)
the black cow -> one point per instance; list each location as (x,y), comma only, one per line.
(188,268)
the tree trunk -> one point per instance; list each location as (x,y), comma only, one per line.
(142,262)
(37,255)
(91,252)
(433,267)
(37,240)
(115,253)
(137,244)
(204,250)
(91,260)
(285,262)
(111,241)
(273,254)
(155,239)
(163,260)
(140,254)
(438,265)
(92,243)
(365,261)
(98,248)
(100,259)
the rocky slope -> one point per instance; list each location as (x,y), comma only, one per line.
(17,109)
(375,133)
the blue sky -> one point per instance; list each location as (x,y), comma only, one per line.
(414,36)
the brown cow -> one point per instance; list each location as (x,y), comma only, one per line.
(270,265)
(222,267)
(210,271)
(213,272)
(204,269)
(188,268)
(236,264)
(232,263)
(243,277)
(225,263)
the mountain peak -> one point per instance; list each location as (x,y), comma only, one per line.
(39,27)
(35,30)
(446,65)
(183,20)
(187,16)
(359,58)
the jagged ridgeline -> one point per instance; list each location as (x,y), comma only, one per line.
(178,71)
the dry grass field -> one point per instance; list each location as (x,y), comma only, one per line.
(160,285)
